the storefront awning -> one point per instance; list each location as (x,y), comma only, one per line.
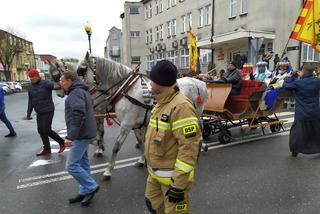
(233,37)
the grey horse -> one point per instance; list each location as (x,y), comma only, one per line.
(105,73)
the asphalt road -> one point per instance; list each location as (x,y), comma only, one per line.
(256,176)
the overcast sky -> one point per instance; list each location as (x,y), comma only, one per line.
(56,27)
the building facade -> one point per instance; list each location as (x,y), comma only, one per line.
(167,30)
(113,49)
(42,63)
(23,56)
(254,29)
(133,26)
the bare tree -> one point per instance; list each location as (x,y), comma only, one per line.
(10,46)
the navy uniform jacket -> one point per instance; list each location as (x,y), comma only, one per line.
(306,93)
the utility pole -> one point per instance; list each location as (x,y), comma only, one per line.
(212,33)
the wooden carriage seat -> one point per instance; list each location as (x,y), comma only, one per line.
(246,89)
(239,106)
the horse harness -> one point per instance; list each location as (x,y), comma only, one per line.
(122,91)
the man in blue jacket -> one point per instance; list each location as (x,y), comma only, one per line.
(40,99)
(3,116)
(81,129)
(304,133)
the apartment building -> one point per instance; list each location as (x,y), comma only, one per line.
(167,30)
(113,49)
(245,25)
(133,26)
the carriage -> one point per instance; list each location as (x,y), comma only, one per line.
(223,111)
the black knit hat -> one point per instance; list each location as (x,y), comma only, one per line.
(164,73)
(233,63)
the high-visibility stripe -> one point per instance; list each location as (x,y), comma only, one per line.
(160,124)
(184,122)
(163,177)
(183,166)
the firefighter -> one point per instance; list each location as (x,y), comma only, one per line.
(171,144)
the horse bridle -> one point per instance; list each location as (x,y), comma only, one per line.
(57,75)
(82,70)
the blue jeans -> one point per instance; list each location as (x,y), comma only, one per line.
(3,118)
(79,167)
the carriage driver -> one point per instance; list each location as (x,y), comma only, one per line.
(171,144)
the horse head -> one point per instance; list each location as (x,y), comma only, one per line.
(56,69)
(87,69)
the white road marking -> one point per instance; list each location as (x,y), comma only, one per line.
(65,172)
(42,163)
(52,180)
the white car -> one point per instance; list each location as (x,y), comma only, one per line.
(6,88)
(15,86)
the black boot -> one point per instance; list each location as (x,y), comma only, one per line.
(76,199)
(11,134)
(88,197)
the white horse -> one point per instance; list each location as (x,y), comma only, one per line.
(56,69)
(106,73)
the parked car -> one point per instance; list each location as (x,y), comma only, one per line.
(15,86)
(25,83)
(6,88)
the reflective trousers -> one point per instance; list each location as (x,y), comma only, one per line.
(159,203)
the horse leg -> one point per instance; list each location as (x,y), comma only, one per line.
(99,137)
(116,148)
(140,135)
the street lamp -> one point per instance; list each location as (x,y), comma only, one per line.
(88,30)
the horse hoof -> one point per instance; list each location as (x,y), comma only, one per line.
(138,165)
(137,146)
(205,148)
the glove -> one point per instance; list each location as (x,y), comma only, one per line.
(175,195)
(28,117)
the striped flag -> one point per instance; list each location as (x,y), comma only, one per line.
(193,51)
(307,25)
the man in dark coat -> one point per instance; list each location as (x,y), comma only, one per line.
(81,128)
(304,133)
(233,75)
(40,99)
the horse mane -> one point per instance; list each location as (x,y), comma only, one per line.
(110,70)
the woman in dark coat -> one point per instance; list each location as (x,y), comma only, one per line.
(305,131)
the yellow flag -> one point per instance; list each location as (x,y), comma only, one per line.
(307,28)
(193,51)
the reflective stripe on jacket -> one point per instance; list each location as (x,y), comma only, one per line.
(172,139)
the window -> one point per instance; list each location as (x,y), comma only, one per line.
(157,33)
(172,56)
(270,47)
(146,12)
(161,31)
(150,10)
(134,33)
(208,14)
(169,29)
(205,56)
(157,8)
(150,35)
(233,8)
(160,56)
(150,62)
(168,4)
(174,27)
(147,37)
(134,10)
(190,19)
(173,3)
(160,6)
(201,17)
(244,6)
(135,60)
(184,58)
(184,24)
(309,54)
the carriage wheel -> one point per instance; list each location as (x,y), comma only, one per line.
(206,131)
(224,136)
(275,127)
